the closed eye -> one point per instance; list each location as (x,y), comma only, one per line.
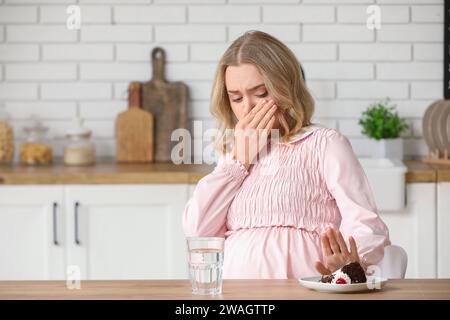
(259,96)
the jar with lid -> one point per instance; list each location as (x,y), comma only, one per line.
(6,138)
(79,149)
(36,150)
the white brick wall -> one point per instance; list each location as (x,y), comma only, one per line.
(56,73)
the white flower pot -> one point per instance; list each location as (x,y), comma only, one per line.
(388,148)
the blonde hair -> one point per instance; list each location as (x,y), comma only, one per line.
(282,75)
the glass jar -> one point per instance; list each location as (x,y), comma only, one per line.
(6,138)
(36,150)
(79,149)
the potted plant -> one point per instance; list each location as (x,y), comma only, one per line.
(382,123)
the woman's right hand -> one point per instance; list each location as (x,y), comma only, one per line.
(252,131)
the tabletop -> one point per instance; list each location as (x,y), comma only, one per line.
(289,289)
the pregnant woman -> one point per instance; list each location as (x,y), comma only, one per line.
(301,208)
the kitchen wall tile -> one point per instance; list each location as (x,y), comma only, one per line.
(58,73)
(41,71)
(411,1)
(146,15)
(75,90)
(44,109)
(350,128)
(358,14)
(18,91)
(413,108)
(224,14)
(101,128)
(427,13)
(410,71)
(322,89)
(199,90)
(264,1)
(288,33)
(372,90)
(207,52)
(337,33)
(375,52)
(19,52)
(193,2)
(115,1)
(18,14)
(104,110)
(191,71)
(142,52)
(38,1)
(298,14)
(314,51)
(415,147)
(339,1)
(190,33)
(417,128)
(116,33)
(89,14)
(410,33)
(199,109)
(338,70)
(428,51)
(340,108)
(121,90)
(114,71)
(426,89)
(77,52)
(40,33)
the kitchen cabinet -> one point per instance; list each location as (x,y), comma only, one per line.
(414,229)
(443,224)
(126,232)
(31,237)
(114,221)
(104,231)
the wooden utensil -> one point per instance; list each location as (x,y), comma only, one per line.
(168,104)
(440,123)
(434,129)
(134,129)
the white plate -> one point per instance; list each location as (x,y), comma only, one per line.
(315,284)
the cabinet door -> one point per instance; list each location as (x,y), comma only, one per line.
(414,229)
(31,237)
(127,231)
(443,224)
(191,189)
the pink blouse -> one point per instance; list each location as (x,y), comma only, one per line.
(273,214)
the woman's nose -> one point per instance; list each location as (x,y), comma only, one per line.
(249,104)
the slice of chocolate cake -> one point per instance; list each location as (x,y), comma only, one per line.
(348,274)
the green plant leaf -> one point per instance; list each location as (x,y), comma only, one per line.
(381,121)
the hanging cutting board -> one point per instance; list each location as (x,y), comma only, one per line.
(168,104)
(134,130)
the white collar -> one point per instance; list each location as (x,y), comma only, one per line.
(304,132)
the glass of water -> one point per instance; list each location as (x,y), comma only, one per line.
(205,255)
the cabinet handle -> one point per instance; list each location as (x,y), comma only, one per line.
(77,239)
(55,224)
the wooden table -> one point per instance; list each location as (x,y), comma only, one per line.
(422,289)
(106,171)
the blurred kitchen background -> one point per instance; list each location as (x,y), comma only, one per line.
(111,221)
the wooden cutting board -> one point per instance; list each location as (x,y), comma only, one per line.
(134,130)
(168,104)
